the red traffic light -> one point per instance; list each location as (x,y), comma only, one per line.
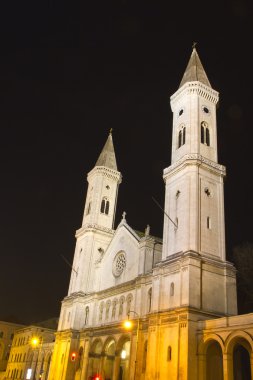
(73,356)
(97,377)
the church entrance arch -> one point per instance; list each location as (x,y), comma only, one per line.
(109,359)
(95,359)
(214,361)
(241,363)
(239,347)
(123,350)
(47,365)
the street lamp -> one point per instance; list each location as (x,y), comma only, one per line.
(128,324)
(36,343)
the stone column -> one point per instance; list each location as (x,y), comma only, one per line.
(102,364)
(116,366)
(227,367)
(85,363)
(202,367)
(251,365)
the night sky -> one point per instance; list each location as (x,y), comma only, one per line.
(70,71)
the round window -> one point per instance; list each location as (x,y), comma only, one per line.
(206,110)
(119,264)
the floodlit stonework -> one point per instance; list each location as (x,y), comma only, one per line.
(179,291)
(7,331)
(30,353)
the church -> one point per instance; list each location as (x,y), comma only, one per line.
(177,293)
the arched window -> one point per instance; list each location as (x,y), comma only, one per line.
(172,289)
(101,308)
(86,320)
(121,305)
(88,208)
(107,207)
(80,357)
(181,137)
(207,137)
(114,304)
(107,309)
(169,352)
(149,299)
(129,301)
(202,134)
(104,209)
(205,133)
(144,361)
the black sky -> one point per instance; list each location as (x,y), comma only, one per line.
(70,71)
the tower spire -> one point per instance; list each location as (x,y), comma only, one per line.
(195,70)
(107,156)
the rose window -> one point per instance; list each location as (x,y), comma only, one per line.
(119,264)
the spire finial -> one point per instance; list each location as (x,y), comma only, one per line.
(147,230)
(124,215)
(194,45)
(111,131)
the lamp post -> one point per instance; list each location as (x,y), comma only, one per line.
(36,343)
(128,324)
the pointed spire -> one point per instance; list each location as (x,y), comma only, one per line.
(107,156)
(194,70)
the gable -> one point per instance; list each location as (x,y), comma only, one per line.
(121,260)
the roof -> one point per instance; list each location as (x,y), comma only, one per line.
(195,71)
(107,156)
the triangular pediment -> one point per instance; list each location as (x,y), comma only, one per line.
(121,259)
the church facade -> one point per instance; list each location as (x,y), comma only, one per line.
(179,292)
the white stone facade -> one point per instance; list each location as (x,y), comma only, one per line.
(170,288)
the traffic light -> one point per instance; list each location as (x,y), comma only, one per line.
(73,356)
(97,377)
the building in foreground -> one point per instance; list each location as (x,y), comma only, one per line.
(179,292)
(7,330)
(31,352)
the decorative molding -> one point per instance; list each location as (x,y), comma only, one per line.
(169,320)
(183,317)
(93,227)
(196,88)
(106,172)
(188,158)
(153,322)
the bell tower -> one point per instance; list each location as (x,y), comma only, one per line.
(194,227)
(194,181)
(98,220)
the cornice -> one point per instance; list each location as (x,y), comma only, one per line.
(106,172)
(93,227)
(197,159)
(197,88)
